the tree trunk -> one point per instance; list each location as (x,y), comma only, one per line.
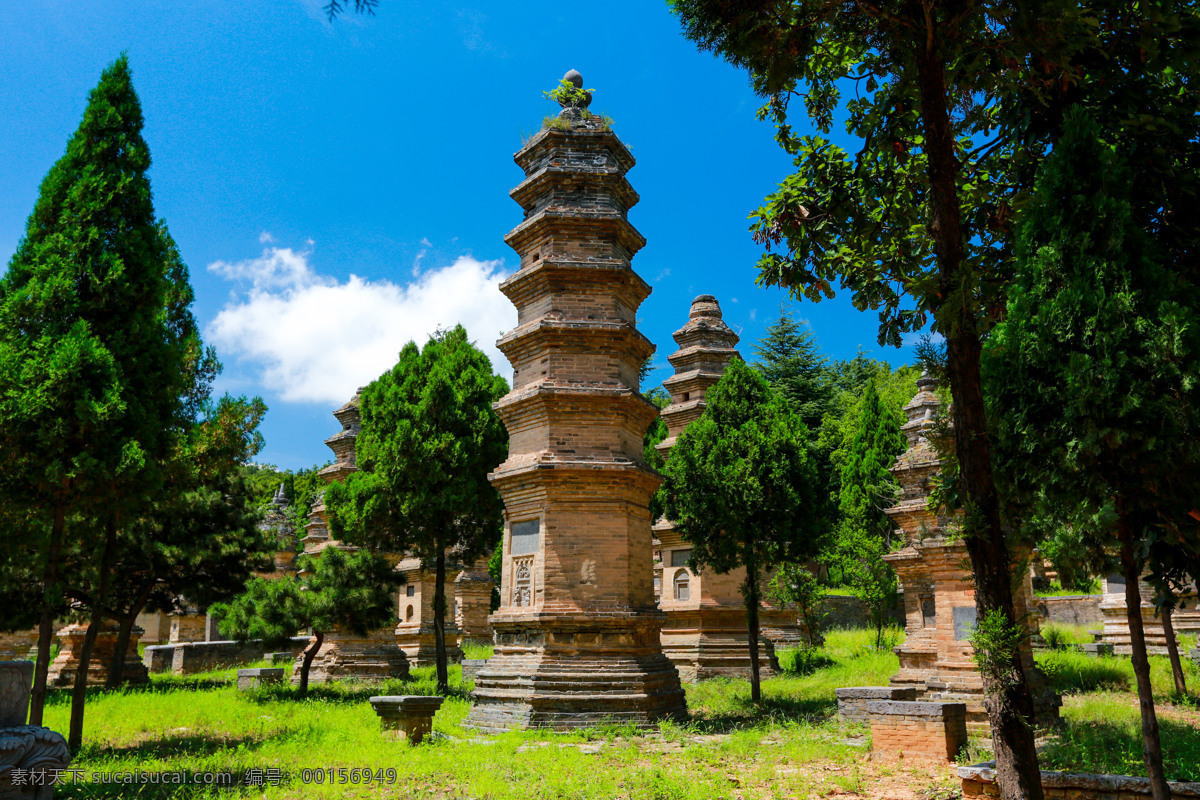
(1151,745)
(1173,650)
(1008,701)
(439,621)
(50,600)
(752,630)
(309,655)
(116,668)
(79,691)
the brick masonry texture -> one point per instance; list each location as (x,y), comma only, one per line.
(577,631)
(852,701)
(932,730)
(67,663)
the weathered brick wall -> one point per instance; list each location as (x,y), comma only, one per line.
(1082,609)
(933,730)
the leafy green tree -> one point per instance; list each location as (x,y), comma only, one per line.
(200,537)
(1093,382)
(864,533)
(349,590)
(95,355)
(795,585)
(428,440)
(740,487)
(955,106)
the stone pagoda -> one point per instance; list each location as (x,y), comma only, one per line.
(577,631)
(63,668)
(279,526)
(344,655)
(936,658)
(705,633)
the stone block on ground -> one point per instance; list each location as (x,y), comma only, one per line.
(259,676)
(408,717)
(917,728)
(852,701)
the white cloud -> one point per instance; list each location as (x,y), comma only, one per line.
(753,313)
(313,338)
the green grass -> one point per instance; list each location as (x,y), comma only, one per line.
(1056,590)
(201,723)
(788,746)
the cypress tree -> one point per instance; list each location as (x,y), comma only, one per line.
(863,531)
(93,356)
(1092,382)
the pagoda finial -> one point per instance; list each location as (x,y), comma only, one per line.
(571,95)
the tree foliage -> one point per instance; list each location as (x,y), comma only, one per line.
(1093,378)
(352,591)
(740,486)
(98,355)
(428,440)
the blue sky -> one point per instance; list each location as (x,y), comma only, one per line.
(338,189)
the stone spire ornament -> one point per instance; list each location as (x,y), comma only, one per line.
(574,107)
(577,631)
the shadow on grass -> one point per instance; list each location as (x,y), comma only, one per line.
(172,746)
(772,710)
(62,696)
(352,691)
(1075,673)
(149,791)
(1110,747)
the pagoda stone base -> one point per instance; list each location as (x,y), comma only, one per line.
(67,664)
(781,628)
(188,628)
(419,643)
(1116,625)
(344,656)
(706,642)
(474,604)
(16,646)
(570,671)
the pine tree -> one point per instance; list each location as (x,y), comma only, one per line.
(1092,381)
(740,486)
(428,440)
(352,591)
(864,533)
(790,361)
(93,355)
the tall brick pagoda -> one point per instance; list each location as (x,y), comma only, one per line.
(344,655)
(705,633)
(936,658)
(577,631)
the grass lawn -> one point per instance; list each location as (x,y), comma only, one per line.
(791,747)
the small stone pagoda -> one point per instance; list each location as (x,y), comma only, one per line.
(279,525)
(63,668)
(1114,637)
(936,658)
(344,655)
(577,631)
(416,633)
(705,633)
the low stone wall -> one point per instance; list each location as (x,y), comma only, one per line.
(852,701)
(1195,654)
(850,612)
(1076,609)
(188,658)
(979,780)
(917,728)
